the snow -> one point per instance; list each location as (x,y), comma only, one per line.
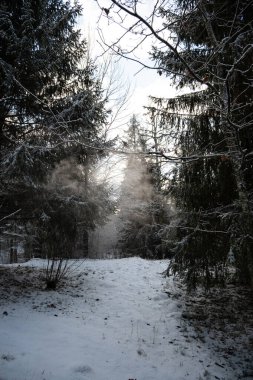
(112,320)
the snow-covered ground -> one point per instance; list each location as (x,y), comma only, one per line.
(112,321)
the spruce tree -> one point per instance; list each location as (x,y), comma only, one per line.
(142,209)
(52,116)
(212,126)
(206,47)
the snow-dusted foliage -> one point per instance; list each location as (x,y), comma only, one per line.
(212,135)
(204,47)
(52,118)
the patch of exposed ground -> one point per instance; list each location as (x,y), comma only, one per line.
(223,318)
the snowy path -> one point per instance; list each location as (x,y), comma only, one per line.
(113,323)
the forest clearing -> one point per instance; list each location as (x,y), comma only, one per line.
(120,319)
(126,189)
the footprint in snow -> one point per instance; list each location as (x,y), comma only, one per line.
(8,357)
(141,352)
(84,369)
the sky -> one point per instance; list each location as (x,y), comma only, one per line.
(143,82)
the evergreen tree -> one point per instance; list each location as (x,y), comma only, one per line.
(211,126)
(206,43)
(52,113)
(142,209)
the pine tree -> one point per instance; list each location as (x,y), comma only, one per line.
(213,127)
(206,46)
(52,116)
(207,43)
(142,209)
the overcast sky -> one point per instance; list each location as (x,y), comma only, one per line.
(143,83)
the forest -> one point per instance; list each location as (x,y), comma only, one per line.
(185,198)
